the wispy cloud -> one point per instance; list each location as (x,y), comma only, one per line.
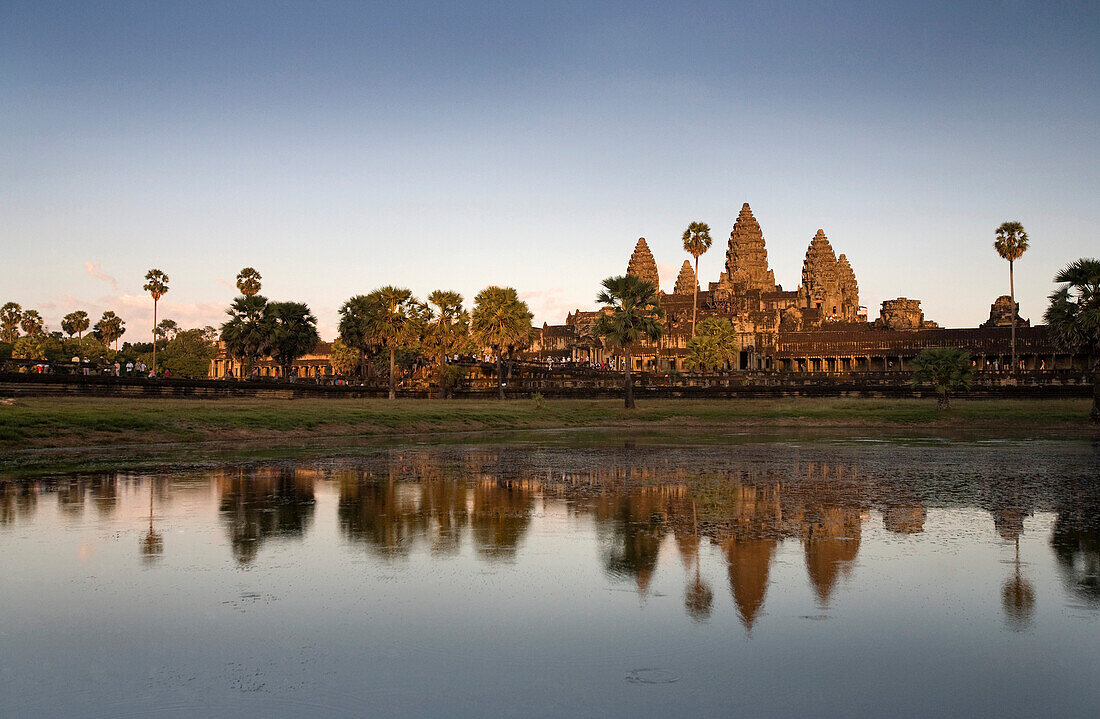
(92,268)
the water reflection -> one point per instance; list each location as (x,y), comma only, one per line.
(646,509)
(261,503)
(1076,543)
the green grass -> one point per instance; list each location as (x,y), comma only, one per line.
(73,422)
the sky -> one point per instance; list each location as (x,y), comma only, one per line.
(341,146)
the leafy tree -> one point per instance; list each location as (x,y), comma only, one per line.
(446,331)
(32,323)
(248,332)
(189,352)
(156,284)
(38,346)
(632,314)
(248,282)
(11,314)
(389,317)
(294,333)
(345,360)
(75,323)
(1074,318)
(696,242)
(110,329)
(166,329)
(945,368)
(1010,244)
(501,321)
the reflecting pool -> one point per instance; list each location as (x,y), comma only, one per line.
(778,578)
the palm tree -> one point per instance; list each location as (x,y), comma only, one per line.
(248,332)
(294,333)
(945,368)
(1011,242)
(156,284)
(703,354)
(11,314)
(32,323)
(110,328)
(696,242)
(632,314)
(75,323)
(501,321)
(388,317)
(725,339)
(447,328)
(1074,318)
(248,281)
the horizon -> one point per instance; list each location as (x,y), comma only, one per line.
(335,147)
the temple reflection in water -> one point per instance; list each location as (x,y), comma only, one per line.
(640,505)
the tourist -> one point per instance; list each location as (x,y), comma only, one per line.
(118,369)
(129,368)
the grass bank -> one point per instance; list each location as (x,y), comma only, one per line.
(49,422)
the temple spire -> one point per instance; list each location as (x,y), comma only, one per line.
(685,281)
(747,256)
(642,265)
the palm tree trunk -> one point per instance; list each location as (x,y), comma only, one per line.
(500,376)
(393,377)
(695,297)
(1012,296)
(155,336)
(628,383)
(1094,415)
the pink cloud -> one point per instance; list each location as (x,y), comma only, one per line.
(92,268)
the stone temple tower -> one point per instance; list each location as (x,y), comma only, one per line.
(821,278)
(747,257)
(685,281)
(849,289)
(642,265)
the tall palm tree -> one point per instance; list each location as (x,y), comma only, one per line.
(501,321)
(156,284)
(1011,242)
(294,333)
(110,328)
(75,323)
(1074,318)
(696,242)
(388,317)
(32,323)
(632,314)
(11,314)
(945,368)
(248,332)
(447,328)
(248,281)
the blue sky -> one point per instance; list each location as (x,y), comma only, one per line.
(337,147)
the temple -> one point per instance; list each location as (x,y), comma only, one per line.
(820,326)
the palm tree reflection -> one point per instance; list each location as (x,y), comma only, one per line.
(1076,544)
(1018,597)
(152,544)
(265,502)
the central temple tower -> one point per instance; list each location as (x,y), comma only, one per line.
(747,257)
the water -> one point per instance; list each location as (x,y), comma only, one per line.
(778,578)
